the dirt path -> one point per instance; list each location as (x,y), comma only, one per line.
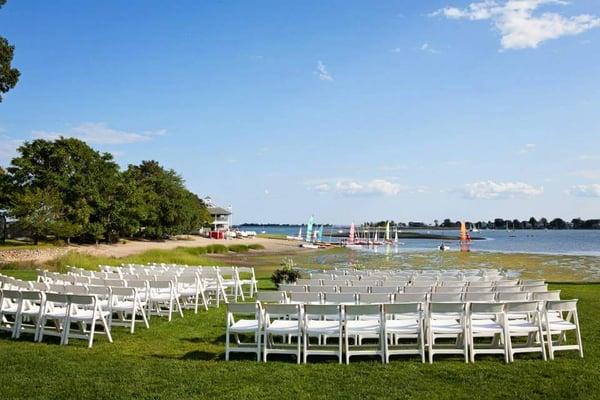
(135,247)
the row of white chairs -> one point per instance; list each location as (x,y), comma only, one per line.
(413,289)
(358,297)
(435,328)
(378,281)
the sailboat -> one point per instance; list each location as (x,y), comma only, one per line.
(351,242)
(387,233)
(298,238)
(474,228)
(376,241)
(310,235)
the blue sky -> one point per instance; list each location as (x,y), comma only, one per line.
(348,110)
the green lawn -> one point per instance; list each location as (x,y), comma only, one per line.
(184,359)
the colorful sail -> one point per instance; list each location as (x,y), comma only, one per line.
(320,234)
(309,228)
(465,239)
(352,233)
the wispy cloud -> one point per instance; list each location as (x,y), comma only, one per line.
(396,50)
(528,148)
(519,25)
(99,133)
(499,190)
(591,190)
(322,72)
(426,47)
(374,187)
(588,174)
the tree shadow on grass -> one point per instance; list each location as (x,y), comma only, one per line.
(197,340)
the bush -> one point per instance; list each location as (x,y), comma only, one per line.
(256,246)
(195,251)
(238,248)
(286,274)
(216,249)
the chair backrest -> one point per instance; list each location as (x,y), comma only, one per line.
(446,297)
(279,310)
(448,289)
(402,308)
(520,296)
(410,297)
(138,284)
(352,310)
(308,281)
(323,288)
(34,295)
(123,291)
(445,308)
(314,310)
(244,308)
(486,308)
(99,291)
(83,300)
(42,286)
(384,289)
(533,282)
(474,296)
(416,289)
(321,276)
(57,298)
(479,289)
(544,296)
(305,298)
(294,288)
(507,282)
(373,298)
(160,284)
(522,306)
(7,294)
(508,289)
(561,305)
(73,289)
(535,288)
(271,297)
(340,298)
(114,282)
(57,287)
(480,283)
(353,289)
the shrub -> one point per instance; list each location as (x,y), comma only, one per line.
(256,246)
(216,249)
(286,274)
(238,248)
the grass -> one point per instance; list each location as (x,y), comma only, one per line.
(13,244)
(184,359)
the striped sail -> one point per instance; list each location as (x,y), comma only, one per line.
(309,229)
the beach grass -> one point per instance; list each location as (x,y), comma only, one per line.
(185,359)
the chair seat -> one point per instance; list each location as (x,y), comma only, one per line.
(521,326)
(486,326)
(10,310)
(446,316)
(561,325)
(56,313)
(188,292)
(160,297)
(86,315)
(244,325)
(33,310)
(322,327)
(124,305)
(446,326)
(283,326)
(402,326)
(363,326)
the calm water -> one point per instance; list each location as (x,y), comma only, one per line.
(574,242)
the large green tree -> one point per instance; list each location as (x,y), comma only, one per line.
(165,206)
(9,76)
(85,180)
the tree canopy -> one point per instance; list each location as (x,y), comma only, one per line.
(9,76)
(66,189)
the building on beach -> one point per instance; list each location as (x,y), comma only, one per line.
(220,216)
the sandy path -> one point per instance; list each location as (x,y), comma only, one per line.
(134,247)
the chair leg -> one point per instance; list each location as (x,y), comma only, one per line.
(92,331)
(227,344)
(304,342)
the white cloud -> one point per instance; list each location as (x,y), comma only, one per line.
(396,50)
(519,27)
(380,187)
(322,72)
(428,48)
(592,190)
(99,133)
(500,190)
(588,173)
(528,148)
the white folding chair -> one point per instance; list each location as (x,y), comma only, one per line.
(84,310)
(249,323)
(487,320)
(126,302)
(531,327)
(305,298)
(162,298)
(403,321)
(447,321)
(191,291)
(265,297)
(282,320)
(29,314)
(247,277)
(10,301)
(55,309)
(362,320)
(322,320)
(567,320)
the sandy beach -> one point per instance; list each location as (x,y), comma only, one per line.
(130,247)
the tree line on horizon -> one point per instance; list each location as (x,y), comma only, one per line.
(498,223)
(64,189)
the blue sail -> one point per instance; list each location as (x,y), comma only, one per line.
(320,234)
(309,229)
